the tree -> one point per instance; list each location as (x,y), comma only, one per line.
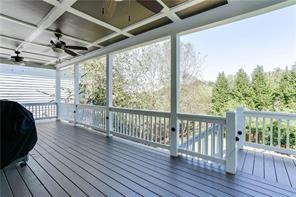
(92,86)
(243,91)
(286,92)
(195,94)
(191,61)
(262,91)
(145,76)
(221,95)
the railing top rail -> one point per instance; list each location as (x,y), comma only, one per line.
(90,105)
(203,118)
(268,114)
(30,104)
(141,112)
(72,104)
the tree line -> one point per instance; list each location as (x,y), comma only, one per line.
(265,91)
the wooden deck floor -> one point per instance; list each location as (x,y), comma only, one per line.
(273,167)
(71,161)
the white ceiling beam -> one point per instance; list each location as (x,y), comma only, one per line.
(90,18)
(97,21)
(155,17)
(35,27)
(175,9)
(20,40)
(52,16)
(170,13)
(233,11)
(53,2)
(7,18)
(100,40)
(166,10)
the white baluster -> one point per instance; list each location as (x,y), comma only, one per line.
(279,132)
(256,130)
(263,135)
(288,135)
(271,132)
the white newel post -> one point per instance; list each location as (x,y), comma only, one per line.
(240,123)
(76,90)
(231,150)
(175,70)
(58,91)
(109,84)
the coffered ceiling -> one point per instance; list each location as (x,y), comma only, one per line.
(29,25)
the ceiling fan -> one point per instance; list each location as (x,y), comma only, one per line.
(17,57)
(60,46)
(19,60)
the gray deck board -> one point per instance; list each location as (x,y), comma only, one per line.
(258,169)
(5,188)
(51,185)
(92,139)
(274,168)
(281,172)
(257,185)
(72,175)
(291,169)
(122,153)
(16,182)
(71,161)
(64,182)
(249,162)
(134,164)
(269,168)
(32,182)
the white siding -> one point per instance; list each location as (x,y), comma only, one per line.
(26,84)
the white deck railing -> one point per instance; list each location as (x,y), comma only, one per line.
(147,127)
(42,110)
(268,130)
(208,137)
(203,136)
(91,115)
(67,112)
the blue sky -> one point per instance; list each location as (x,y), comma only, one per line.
(268,40)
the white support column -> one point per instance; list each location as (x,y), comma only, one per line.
(109,88)
(231,150)
(76,90)
(175,70)
(58,91)
(240,123)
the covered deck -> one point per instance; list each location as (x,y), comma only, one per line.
(91,149)
(74,161)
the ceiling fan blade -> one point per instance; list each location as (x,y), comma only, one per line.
(72,53)
(151,5)
(52,43)
(76,47)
